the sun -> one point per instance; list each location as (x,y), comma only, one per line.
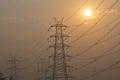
(87,12)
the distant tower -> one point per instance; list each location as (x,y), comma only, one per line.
(13,68)
(59,66)
(41,71)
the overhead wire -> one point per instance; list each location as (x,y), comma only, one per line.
(93,71)
(34,47)
(79,25)
(102,71)
(76,11)
(29,65)
(75,14)
(99,5)
(100,29)
(112,37)
(96,57)
(76,27)
(99,20)
(29,57)
(106,26)
(106,53)
(28,54)
(92,58)
(99,41)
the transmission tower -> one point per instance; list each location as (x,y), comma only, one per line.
(13,68)
(41,72)
(59,65)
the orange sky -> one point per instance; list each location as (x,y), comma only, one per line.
(25,23)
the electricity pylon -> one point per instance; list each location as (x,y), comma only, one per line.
(13,68)
(59,66)
(41,72)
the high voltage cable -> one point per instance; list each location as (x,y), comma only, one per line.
(99,41)
(86,70)
(29,57)
(102,71)
(30,52)
(106,53)
(96,22)
(98,29)
(88,30)
(76,27)
(116,35)
(29,65)
(96,72)
(80,46)
(32,49)
(109,38)
(103,55)
(99,5)
(92,58)
(80,9)
(103,28)
(112,37)
(76,11)
(106,26)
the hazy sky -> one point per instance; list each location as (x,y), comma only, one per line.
(24,32)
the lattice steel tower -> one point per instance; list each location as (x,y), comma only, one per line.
(13,68)
(41,72)
(59,66)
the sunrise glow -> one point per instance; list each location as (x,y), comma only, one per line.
(88,12)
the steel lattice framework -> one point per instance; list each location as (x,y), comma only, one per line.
(59,66)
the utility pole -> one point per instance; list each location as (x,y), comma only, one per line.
(13,68)
(59,65)
(41,72)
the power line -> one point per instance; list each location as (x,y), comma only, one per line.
(99,5)
(30,54)
(102,28)
(94,71)
(102,71)
(35,46)
(112,37)
(99,41)
(96,22)
(92,58)
(98,30)
(76,11)
(116,19)
(106,53)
